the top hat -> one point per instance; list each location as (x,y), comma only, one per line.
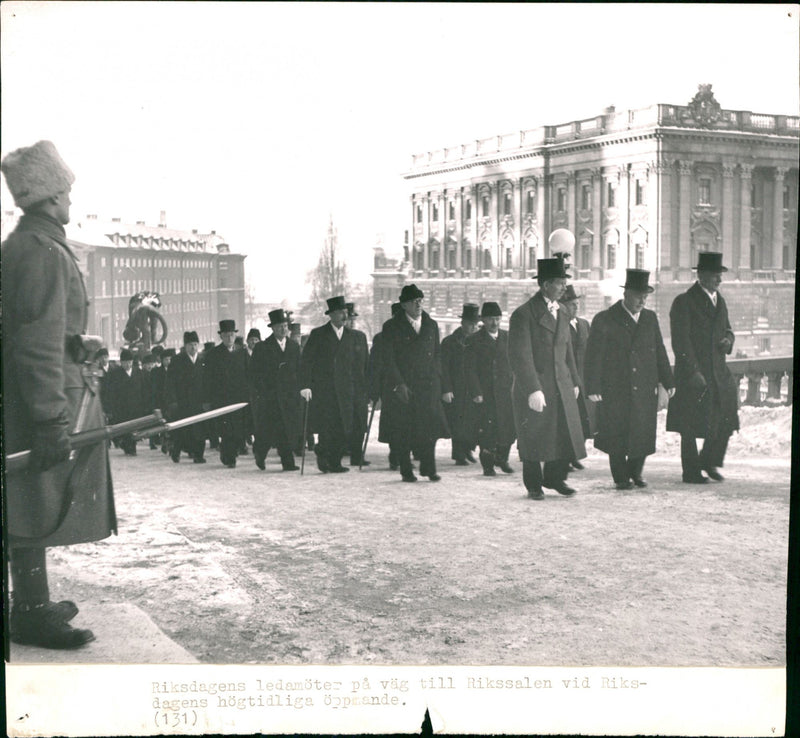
(278,316)
(254,333)
(168,352)
(410,292)
(469,311)
(636,279)
(710,261)
(491,310)
(227,325)
(396,308)
(34,173)
(126,355)
(208,345)
(191,337)
(335,303)
(551,269)
(294,329)
(569,294)
(351,310)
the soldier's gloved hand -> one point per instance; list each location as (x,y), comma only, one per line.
(536,401)
(403,393)
(447,397)
(697,382)
(50,445)
(306,394)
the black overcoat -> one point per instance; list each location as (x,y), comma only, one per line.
(625,362)
(361,386)
(185,385)
(489,375)
(226,376)
(127,395)
(697,328)
(44,303)
(461,414)
(275,376)
(586,408)
(414,360)
(328,369)
(541,357)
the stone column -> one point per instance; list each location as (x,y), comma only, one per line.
(777,219)
(473,191)
(728,169)
(597,224)
(426,231)
(745,178)
(541,224)
(571,208)
(685,169)
(459,195)
(519,261)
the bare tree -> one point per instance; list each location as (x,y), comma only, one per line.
(328,278)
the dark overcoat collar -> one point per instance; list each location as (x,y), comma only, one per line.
(542,314)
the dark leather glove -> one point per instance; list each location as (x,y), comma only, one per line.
(50,444)
(697,382)
(403,393)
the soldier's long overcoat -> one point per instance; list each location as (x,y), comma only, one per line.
(414,360)
(489,375)
(541,357)
(44,303)
(328,369)
(625,362)
(275,378)
(697,327)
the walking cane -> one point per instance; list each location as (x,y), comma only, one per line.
(366,437)
(305,435)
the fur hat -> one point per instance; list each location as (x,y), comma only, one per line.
(34,173)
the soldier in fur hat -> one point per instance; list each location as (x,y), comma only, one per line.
(56,500)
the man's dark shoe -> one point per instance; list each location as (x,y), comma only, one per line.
(624,485)
(409,477)
(695,479)
(322,465)
(713,474)
(537,493)
(338,469)
(576,465)
(230,463)
(434,477)
(462,462)
(291,467)
(65,610)
(563,489)
(469,456)
(639,482)
(504,467)
(47,629)
(488,471)
(261,463)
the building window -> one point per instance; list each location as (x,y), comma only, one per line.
(468,259)
(487,259)
(639,192)
(531,257)
(509,258)
(704,190)
(611,260)
(468,205)
(419,213)
(561,200)
(611,195)
(435,213)
(586,197)
(451,207)
(586,255)
(507,203)
(529,204)
(485,206)
(753,196)
(639,256)
(763,344)
(787,201)
(435,259)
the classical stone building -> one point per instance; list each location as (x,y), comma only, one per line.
(642,188)
(196,276)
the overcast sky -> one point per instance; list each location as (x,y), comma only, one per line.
(260,120)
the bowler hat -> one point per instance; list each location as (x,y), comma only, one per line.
(126,355)
(191,337)
(410,292)
(335,303)
(351,310)
(551,269)
(636,279)
(34,173)
(491,310)
(469,311)
(710,261)
(569,294)
(254,333)
(227,325)
(278,316)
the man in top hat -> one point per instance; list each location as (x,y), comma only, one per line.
(185,396)
(706,399)
(361,400)
(459,407)
(328,379)
(127,396)
(411,398)
(489,381)
(226,383)
(625,362)
(54,501)
(275,370)
(546,385)
(579,330)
